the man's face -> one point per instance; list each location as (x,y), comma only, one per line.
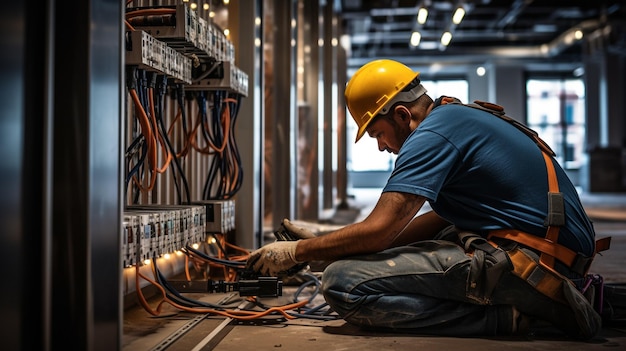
(390,132)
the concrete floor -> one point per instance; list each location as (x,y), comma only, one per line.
(176,330)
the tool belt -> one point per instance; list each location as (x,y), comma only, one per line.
(576,262)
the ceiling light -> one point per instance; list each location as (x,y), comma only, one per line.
(578,34)
(458,15)
(480,71)
(422,15)
(415,38)
(445,38)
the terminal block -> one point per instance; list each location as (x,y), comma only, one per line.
(182,29)
(151,231)
(220,215)
(151,54)
(227,77)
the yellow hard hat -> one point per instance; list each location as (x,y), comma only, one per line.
(374,86)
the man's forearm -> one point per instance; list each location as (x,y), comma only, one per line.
(390,216)
(351,240)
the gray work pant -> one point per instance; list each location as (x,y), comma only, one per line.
(422,288)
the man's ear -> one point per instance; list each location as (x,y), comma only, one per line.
(403,111)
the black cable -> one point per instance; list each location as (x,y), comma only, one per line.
(219,245)
(178,93)
(227,263)
(180,299)
(234,151)
(214,168)
(160,93)
(201,101)
(137,165)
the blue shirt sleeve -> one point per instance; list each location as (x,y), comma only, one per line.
(425,161)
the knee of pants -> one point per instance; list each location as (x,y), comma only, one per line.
(335,285)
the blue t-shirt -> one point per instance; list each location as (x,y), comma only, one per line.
(481,173)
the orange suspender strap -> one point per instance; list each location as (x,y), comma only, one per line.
(548,246)
(556,211)
(556,217)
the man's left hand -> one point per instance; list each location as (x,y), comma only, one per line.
(273,258)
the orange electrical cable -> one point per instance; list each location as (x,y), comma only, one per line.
(158,137)
(210,146)
(185,149)
(238,248)
(187,275)
(224,119)
(142,298)
(231,156)
(192,139)
(129,26)
(146,131)
(235,171)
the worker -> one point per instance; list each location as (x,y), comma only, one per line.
(469,266)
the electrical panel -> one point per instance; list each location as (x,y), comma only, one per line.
(151,231)
(190,55)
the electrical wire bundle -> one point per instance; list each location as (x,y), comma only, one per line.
(296,309)
(225,175)
(151,140)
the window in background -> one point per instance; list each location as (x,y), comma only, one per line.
(556,111)
(364,155)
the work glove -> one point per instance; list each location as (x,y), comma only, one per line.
(273,258)
(294,230)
